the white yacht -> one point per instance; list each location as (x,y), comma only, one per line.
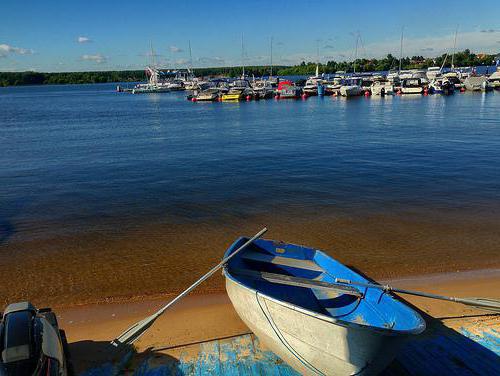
(351,87)
(494,79)
(381,86)
(312,83)
(263,89)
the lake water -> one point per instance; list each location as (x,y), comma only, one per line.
(80,155)
(82,158)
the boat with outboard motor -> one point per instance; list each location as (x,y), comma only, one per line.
(441,85)
(305,307)
(381,86)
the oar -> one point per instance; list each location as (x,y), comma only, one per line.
(133,333)
(481,303)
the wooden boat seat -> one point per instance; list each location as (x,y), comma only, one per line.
(281,261)
(297,281)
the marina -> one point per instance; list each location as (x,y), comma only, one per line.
(434,80)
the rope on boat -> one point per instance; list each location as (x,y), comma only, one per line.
(278,333)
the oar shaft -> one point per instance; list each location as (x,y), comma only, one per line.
(210,272)
(491,304)
(135,331)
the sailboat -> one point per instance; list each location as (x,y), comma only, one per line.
(265,88)
(352,87)
(154,85)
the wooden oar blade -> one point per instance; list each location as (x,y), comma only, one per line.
(487,304)
(133,333)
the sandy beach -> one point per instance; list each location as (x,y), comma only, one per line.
(200,318)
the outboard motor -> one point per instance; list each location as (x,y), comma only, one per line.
(31,342)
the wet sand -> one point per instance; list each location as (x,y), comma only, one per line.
(159,259)
(206,317)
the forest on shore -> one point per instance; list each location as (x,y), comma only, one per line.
(461,59)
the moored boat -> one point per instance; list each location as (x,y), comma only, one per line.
(314,84)
(288,90)
(381,86)
(494,79)
(477,83)
(351,87)
(291,298)
(441,85)
(412,86)
(432,73)
(208,95)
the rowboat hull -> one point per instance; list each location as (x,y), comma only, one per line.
(311,343)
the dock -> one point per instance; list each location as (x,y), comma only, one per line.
(455,345)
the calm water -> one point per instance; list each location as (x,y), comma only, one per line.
(81,156)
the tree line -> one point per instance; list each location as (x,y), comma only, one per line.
(461,59)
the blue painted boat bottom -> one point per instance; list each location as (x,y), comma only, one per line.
(462,346)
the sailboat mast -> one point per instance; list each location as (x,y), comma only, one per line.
(454,50)
(190,57)
(242,57)
(401,49)
(356,52)
(152,55)
(271,56)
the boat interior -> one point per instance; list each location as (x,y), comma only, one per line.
(305,277)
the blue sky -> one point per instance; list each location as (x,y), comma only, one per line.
(100,35)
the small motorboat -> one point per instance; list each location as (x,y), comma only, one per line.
(288,90)
(477,83)
(351,87)
(263,89)
(381,86)
(494,79)
(306,307)
(412,86)
(208,95)
(441,85)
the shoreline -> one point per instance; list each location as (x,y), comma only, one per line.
(159,260)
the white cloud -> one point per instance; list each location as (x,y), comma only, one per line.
(84,40)
(175,49)
(97,58)
(6,49)
(429,46)
(209,61)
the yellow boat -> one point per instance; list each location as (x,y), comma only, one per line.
(232,96)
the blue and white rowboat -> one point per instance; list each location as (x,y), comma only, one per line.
(295,300)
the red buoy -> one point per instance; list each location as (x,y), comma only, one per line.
(193,99)
(367,93)
(462,90)
(276,96)
(248,97)
(304,96)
